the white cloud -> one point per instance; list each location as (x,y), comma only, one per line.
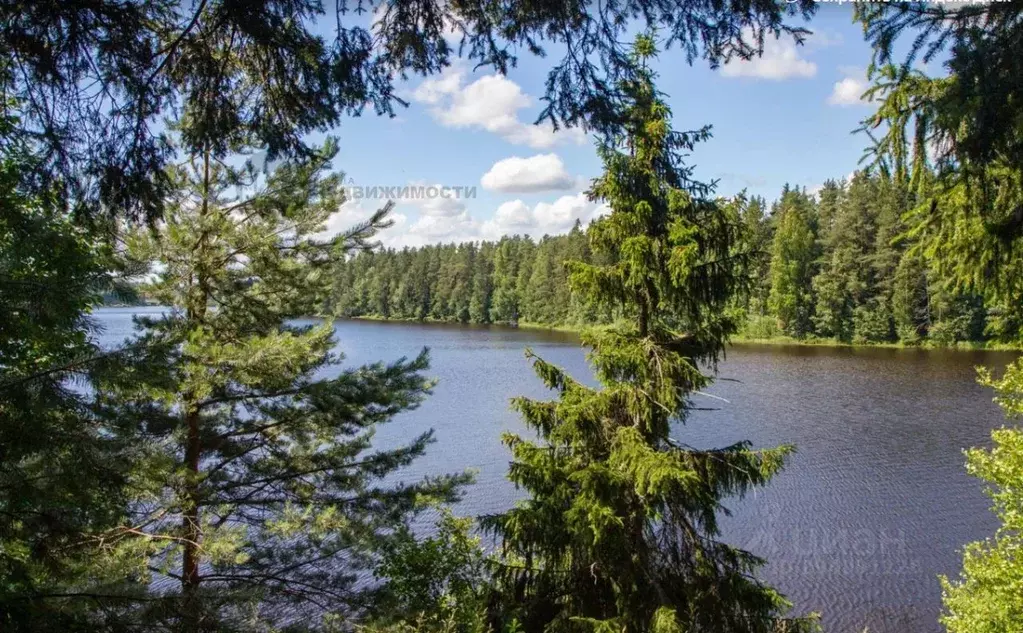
(441,201)
(780,60)
(822,38)
(849,91)
(513,217)
(490,103)
(514,214)
(562,214)
(434,90)
(353,212)
(542,172)
(516,217)
(432,228)
(441,207)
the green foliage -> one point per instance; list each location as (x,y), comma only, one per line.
(972,117)
(910,300)
(263,489)
(850,264)
(64,478)
(512,280)
(955,141)
(758,234)
(793,253)
(619,531)
(263,70)
(438,583)
(873,323)
(758,326)
(988,595)
(846,279)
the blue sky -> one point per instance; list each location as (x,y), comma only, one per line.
(787,117)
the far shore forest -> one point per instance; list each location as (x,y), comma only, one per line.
(833,266)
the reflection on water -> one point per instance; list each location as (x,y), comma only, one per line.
(873,506)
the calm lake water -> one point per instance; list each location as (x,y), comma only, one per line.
(874,505)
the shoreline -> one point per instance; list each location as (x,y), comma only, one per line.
(962,346)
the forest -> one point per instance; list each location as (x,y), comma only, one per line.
(835,265)
(220,469)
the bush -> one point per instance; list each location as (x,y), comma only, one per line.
(988,595)
(436,584)
(873,323)
(761,326)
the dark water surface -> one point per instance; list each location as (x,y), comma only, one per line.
(871,509)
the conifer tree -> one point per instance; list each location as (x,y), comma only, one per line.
(264,489)
(64,477)
(829,201)
(504,306)
(620,531)
(482,285)
(793,264)
(910,299)
(758,231)
(540,301)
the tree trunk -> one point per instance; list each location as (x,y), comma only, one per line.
(191,519)
(190,524)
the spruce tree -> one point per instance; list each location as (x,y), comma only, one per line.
(910,299)
(64,476)
(263,490)
(619,531)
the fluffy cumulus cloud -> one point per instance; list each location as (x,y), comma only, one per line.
(781,59)
(430,229)
(355,212)
(849,90)
(433,200)
(543,172)
(432,224)
(516,217)
(490,103)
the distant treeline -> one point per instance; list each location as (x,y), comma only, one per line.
(840,264)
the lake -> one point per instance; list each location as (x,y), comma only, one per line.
(874,505)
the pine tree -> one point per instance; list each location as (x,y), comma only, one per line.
(620,529)
(263,489)
(540,300)
(829,202)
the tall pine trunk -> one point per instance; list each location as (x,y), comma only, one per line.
(191,518)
